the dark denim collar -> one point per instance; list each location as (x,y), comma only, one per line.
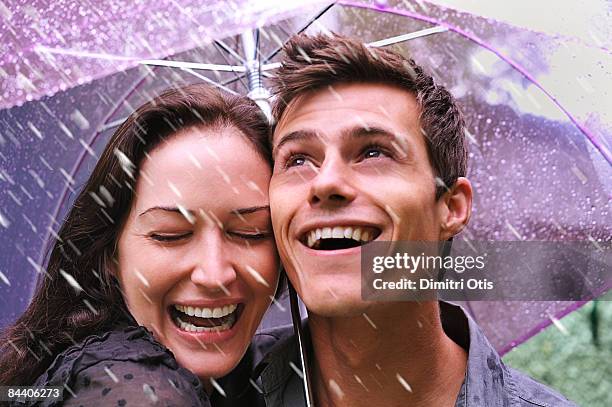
(486,378)
(487,381)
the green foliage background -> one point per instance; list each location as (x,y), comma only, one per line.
(574,363)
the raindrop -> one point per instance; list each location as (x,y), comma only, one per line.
(79,119)
(5,12)
(142,278)
(150,393)
(35,130)
(67,176)
(514,231)
(558,325)
(175,190)
(258,277)
(403,382)
(97,199)
(224,175)
(111,374)
(107,195)
(333,386)
(358,380)
(259,390)
(217,387)
(5,279)
(195,161)
(296,369)
(126,164)
(4,221)
(145,296)
(87,148)
(278,304)
(185,212)
(71,280)
(91,307)
(367,318)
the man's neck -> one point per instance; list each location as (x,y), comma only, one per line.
(393,355)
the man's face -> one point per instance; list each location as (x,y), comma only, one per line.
(351,166)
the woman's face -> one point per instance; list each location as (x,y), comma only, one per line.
(196,258)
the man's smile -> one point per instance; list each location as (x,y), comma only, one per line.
(339,237)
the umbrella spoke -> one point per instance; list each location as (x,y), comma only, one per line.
(302,29)
(243,69)
(229,50)
(410,36)
(210,81)
(230,81)
(192,65)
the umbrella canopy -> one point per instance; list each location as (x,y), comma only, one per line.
(540,172)
(49,46)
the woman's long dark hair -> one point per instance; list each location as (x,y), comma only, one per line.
(62,312)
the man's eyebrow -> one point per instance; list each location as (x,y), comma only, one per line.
(366,130)
(299,135)
(250,209)
(161,208)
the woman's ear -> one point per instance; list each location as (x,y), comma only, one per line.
(457,208)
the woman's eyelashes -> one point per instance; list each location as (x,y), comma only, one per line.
(232,235)
(169,237)
(248,235)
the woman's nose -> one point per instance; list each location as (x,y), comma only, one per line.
(212,268)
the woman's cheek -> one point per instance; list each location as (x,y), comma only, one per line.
(266,262)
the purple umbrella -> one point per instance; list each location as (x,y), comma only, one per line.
(540,172)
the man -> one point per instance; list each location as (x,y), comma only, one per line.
(367,147)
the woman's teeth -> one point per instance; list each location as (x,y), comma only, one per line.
(186,326)
(212,319)
(358,234)
(207,312)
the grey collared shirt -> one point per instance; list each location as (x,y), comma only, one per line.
(488,382)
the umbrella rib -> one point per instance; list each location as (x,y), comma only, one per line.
(229,50)
(409,36)
(111,125)
(302,29)
(230,81)
(192,65)
(208,80)
(243,69)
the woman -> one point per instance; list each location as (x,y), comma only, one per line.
(171,233)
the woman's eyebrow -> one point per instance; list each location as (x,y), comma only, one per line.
(162,208)
(250,209)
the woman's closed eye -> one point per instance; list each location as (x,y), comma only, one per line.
(248,235)
(169,237)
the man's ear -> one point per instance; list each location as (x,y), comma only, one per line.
(457,208)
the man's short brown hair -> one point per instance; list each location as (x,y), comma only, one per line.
(316,62)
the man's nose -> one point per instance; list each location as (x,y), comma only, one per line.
(212,268)
(331,186)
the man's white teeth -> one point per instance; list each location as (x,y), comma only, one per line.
(217,312)
(339,232)
(186,326)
